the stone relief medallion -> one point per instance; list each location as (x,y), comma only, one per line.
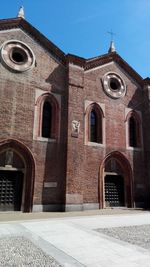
(75,128)
(17,55)
(114,86)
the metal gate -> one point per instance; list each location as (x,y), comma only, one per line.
(11,184)
(114,191)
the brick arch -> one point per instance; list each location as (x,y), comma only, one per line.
(134,114)
(126,171)
(94,106)
(29,164)
(55,113)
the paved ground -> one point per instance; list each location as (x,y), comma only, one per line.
(136,235)
(15,216)
(75,241)
(20,251)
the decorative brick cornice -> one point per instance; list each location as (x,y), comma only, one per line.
(7,24)
(88,64)
(146,81)
(104,59)
(72,59)
(127,68)
(98,61)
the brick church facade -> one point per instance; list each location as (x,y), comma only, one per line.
(74,132)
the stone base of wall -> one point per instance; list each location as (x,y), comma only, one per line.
(59,207)
(75,207)
(81,207)
(47,208)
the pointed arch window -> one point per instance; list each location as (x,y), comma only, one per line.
(134,130)
(47,115)
(95,125)
(47,120)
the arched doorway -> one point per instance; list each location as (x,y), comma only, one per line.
(116,181)
(16,176)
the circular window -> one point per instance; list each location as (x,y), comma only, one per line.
(114,85)
(17,55)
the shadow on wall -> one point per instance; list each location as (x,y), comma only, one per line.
(57,78)
(54,185)
(146,142)
(138,104)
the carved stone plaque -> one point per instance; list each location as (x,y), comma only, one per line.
(75,128)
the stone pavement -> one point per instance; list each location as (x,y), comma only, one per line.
(73,241)
(15,216)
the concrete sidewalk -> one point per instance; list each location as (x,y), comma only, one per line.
(17,216)
(73,241)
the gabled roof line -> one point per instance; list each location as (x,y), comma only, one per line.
(6,24)
(58,54)
(89,64)
(128,68)
(116,58)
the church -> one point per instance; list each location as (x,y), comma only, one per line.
(74,132)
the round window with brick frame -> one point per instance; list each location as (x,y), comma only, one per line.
(17,56)
(113,85)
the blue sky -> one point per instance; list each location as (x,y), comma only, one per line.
(80,26)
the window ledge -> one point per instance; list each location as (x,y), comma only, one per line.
(94,144)
(44,139)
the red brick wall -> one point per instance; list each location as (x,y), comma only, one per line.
(70,162)
(17,108)
(84,161)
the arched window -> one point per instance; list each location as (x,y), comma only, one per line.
(134,134)
(47,120)
(46,124)
(133,137)
(95,125)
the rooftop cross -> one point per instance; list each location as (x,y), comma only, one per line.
(112,34)
(112,44)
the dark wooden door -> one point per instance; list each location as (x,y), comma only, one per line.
(114,191)
(11,185)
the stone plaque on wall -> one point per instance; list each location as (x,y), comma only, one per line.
(50,184)
(75,128)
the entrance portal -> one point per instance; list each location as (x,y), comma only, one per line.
(114,191)
(17,171)
(116,181)
(11,185)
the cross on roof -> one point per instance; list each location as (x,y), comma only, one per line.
(112,34)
